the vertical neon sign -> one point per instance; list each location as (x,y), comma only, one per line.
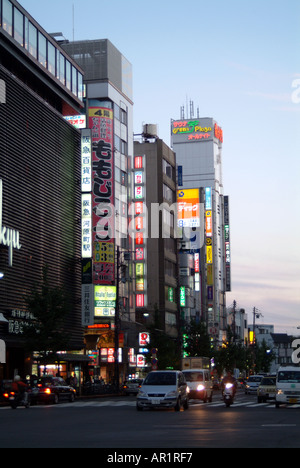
(140,238)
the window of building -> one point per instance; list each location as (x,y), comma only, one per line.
(26,33)
(42,49)
(168,169)
(123,178)
(51,58)
(32,34)
(117,111)
(123,147)
(7,15)
(168,194)
(68,75)
(170,319)
(117,143)
(170,269)
(80,85)
(61,68)
(123,116)
(74,81)
(19,27)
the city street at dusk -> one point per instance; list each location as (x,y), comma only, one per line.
(113,423)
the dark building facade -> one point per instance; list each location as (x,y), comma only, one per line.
(160,271)
(39,177)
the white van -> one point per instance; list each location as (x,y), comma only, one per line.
(163,389)
(199,383)
(288,385)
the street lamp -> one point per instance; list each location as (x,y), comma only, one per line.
(256,315)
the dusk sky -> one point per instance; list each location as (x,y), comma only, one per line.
(238,61)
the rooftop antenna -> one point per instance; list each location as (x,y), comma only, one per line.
(187,107)
(182,112)
(191,109)
(73,15)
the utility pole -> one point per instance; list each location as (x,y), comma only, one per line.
(117,324)
(234,313)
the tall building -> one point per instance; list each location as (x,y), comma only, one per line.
(106,249)
(156,256)
(39,169)
(197,143)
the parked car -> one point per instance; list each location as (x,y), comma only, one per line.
(163,389)
(267,389)
(199,383)
(252,384)
(52,390)
(5,387)
(132,386)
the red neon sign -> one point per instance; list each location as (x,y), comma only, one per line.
(138,162)
(219,133)
(140,300)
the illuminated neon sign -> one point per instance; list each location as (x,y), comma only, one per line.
(219,133)
(188,208)
(194,130)
(182,296)
(189,126)
(8,237)
(139,224)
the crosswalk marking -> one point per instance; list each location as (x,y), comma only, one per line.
(132,403)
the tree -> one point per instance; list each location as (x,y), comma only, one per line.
(233,355)
(263,357)
(49,307)
(196,340)
(168,349)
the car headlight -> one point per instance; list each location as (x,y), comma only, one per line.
(200,388)
(142,394)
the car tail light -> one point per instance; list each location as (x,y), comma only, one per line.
(48,391)
(6,395)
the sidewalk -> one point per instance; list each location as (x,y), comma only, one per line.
(80,397)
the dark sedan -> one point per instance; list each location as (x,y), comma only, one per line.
(5,388)
(132,386)
(53,390)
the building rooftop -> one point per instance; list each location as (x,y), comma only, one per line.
(22,37)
